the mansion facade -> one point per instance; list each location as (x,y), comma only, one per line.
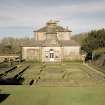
(52,43)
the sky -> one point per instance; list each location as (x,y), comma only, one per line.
(19,18)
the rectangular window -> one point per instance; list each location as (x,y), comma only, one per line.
(51,55)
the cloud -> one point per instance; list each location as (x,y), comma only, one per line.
(81,15)
(41,3)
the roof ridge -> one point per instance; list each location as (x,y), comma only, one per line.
(58,28)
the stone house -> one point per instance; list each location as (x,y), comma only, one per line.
(52,43)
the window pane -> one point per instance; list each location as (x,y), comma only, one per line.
(51,55)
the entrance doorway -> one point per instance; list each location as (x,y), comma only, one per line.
(51,55)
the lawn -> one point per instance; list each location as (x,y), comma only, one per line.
(59,84)
(65,74)
(25,95)
(59,74)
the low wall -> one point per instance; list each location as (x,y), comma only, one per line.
(3,57)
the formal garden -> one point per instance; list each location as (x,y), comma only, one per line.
(66,83)
(51,74)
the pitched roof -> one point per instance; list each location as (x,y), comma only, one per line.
(47,44)
(69,43)
(58,29)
